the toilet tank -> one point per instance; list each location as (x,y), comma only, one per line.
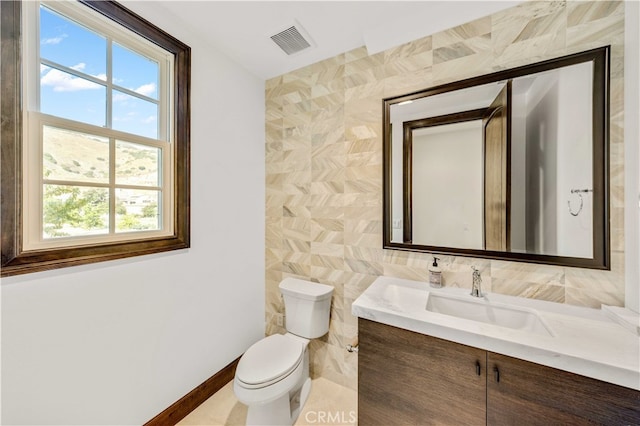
(307,306)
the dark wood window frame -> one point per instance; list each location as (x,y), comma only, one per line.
(16,261)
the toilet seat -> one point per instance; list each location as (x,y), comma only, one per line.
(269,361)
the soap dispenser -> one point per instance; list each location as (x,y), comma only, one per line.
(435,274)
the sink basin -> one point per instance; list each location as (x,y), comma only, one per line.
(482,310)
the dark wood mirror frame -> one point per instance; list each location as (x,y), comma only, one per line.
(16,261)
(600,155)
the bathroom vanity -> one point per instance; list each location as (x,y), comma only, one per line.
(442,357)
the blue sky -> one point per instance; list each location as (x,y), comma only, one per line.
(63,94)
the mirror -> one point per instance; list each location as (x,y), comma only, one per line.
(512,165)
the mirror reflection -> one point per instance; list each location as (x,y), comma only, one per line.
(510,165)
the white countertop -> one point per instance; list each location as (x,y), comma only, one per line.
(584,341)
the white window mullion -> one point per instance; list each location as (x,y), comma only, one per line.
(72,71)
(112,186)
(109,118)
(165,204)
(74,183)
(34,102)
(162,92)
(31,159)
(135,94)
(112,141)
(31,58)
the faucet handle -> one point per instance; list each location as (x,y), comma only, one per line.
(475,282)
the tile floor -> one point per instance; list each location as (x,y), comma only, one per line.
(328,404)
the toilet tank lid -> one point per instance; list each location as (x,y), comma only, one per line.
(305,289)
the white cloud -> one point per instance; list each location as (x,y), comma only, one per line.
(120,97)
(63,82)
(53,40)
(150,119)
(146,89)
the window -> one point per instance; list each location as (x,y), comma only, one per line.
(100,148)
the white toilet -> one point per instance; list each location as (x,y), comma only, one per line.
(272,377)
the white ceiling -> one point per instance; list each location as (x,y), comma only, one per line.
(242,29)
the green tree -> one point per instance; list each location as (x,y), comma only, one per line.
(150,210)
(94,208)
(71,206)
(121,209)
(129,221)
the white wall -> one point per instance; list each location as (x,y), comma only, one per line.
(518,169)
(397,171)
(448,177)
(632,155)
(558,148)
(561,146)
(542,165)
(575,155)
(118,342)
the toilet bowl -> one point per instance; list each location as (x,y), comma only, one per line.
(272,377)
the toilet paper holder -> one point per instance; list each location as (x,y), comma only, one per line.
(353,346)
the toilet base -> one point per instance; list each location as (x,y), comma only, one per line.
(283,411)
(299,400)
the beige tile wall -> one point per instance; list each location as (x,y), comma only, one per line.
(324,165)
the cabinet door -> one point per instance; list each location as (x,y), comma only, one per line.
(524,393)
(408,378)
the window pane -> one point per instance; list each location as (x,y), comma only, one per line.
(74,156)
(137,210)
(69,44)
(135,72)
(67,96)
(133,115)
(74,211)
(137,164)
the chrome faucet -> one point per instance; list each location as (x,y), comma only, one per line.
(476,291)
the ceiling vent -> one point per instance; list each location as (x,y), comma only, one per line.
(292,40)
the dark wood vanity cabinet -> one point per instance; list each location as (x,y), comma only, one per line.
(524,393)
(410,378)
(406,378)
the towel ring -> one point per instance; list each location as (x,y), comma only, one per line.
(579,192)
(579,208)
